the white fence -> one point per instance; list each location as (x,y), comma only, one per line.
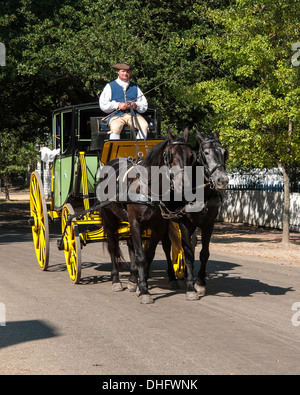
(260,208)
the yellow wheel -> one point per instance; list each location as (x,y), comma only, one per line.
(177,250)
(39,220)
(71,244)
(178,258)
(178,263)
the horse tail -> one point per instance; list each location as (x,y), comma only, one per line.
(110,226)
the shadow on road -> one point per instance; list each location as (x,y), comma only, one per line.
(16,332)
(222,280)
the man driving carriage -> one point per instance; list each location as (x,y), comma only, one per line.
(116,99)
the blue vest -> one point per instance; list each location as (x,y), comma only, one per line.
(117,94)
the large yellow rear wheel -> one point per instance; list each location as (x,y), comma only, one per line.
(39,220)
(71,244)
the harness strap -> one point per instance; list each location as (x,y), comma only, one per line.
(135,117)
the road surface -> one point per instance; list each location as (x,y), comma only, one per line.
(244,325)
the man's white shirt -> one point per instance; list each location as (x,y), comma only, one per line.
(107,105)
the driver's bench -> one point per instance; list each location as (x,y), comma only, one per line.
(100,131)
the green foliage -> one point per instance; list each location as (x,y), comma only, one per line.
(15,154)
(215,64)
(254,101)
(60,53)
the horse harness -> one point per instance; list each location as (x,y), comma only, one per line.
(180,212)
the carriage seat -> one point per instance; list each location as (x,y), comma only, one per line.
(99,132)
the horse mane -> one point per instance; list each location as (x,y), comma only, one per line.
(155,155)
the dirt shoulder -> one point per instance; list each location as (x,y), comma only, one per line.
(243,239)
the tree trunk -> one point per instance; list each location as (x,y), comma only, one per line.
(286,205)
(6,187)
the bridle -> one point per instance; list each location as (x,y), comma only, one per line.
(168,156)
(201,159)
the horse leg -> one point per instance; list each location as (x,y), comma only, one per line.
(166,244)
(191,293)
(133,278)
(157,234)
(200,284)
(140,261)
(111,223)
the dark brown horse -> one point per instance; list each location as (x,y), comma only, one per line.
(212,156)
(173,153)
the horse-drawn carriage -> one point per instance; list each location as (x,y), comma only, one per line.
(85,148)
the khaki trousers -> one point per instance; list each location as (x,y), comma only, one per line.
(117,123)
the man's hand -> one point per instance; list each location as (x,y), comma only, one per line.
(123,106)
(133,104)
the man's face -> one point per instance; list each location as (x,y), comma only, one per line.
(124,75)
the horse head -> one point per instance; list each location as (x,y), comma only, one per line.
(178,151)
(213,157)
(176,156)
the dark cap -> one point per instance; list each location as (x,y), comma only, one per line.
(122,66)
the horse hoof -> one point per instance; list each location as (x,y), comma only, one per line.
(117,287)
(173,285)
(191,295)
(132,287)
(146,299)
(200,289)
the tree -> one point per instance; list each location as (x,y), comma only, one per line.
(15,156)
(60,52)
(255,100)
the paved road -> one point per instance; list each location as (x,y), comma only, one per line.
(242,326)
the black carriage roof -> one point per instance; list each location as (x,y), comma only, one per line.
(83,129)
(76,106)
(89,105)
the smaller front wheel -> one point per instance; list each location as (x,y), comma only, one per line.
(71,243)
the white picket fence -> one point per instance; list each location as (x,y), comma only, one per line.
(260,208)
